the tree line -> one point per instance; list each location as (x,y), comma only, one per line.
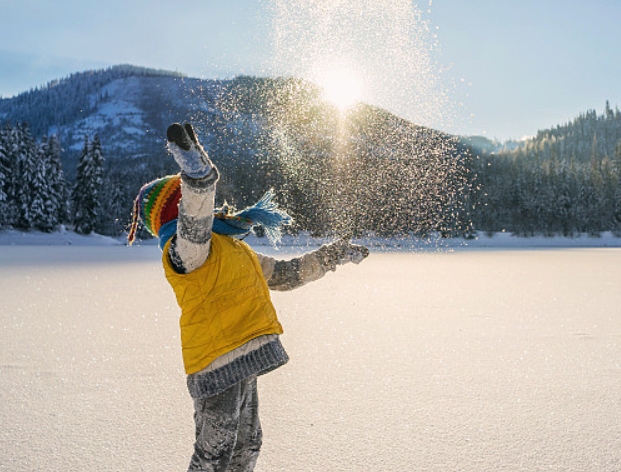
(366,172)
(34,193)
(564,181)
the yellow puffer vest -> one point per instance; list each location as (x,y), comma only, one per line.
(224,303)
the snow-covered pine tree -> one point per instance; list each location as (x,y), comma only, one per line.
(88,186)
(42,212)
(617,193)
(27,182)
(11,139)
(5,174)
(51,151)
(98,173)
(114,199)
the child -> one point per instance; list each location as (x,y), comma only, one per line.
(229,328)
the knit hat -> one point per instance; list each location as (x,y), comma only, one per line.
(156,206)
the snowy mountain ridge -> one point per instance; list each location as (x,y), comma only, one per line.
(123,105)
(130,107)
(119,113)
(261,133)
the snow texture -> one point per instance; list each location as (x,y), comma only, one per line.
(117,112)
(469,360)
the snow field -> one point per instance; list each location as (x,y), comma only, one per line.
(468,360)
(473,361)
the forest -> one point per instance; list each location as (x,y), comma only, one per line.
(366,172)
(34,193)
(564,181)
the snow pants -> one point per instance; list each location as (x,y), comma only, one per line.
(228,430)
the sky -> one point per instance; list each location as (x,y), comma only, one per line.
(500,69)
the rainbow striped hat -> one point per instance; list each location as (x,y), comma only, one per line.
(156,206)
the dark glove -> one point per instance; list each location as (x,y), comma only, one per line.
(341,252)
(187,151)
(349,252)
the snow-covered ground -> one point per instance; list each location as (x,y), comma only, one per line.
(437,360)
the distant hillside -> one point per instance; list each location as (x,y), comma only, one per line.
(588,135)
(128,107)
(565,180)
(367,170)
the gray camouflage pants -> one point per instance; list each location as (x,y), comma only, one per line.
(228,430)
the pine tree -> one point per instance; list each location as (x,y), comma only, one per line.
(26,184)
(617,193)
(608,113)
(11,148)
(41,211)
(52,151)
(5,175)
(88,185)
(113,198)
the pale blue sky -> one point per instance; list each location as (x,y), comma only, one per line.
(505,68)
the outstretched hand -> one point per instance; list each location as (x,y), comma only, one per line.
(187,151)
(345,251)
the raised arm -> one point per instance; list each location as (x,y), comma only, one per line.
(290,274)
(190,247)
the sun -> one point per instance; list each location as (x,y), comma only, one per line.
(341,86)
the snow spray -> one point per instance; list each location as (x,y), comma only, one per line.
(384,168)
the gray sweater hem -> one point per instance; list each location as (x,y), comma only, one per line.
(258,362)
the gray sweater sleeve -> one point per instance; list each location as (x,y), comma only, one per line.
(290,274)
(190,247)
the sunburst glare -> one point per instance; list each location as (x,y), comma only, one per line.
(341,86)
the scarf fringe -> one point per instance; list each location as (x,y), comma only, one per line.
(265,213)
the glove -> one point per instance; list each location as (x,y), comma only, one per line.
(187,151)
(349,252)
(341,252)
(355,253)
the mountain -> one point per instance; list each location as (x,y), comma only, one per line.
(128,107)
(588,136)
(364,170)
(565,180)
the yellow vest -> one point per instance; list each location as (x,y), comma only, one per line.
(224,303)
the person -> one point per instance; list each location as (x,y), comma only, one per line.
(229,327)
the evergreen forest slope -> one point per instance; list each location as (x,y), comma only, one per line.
(363,171)
(366,170)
